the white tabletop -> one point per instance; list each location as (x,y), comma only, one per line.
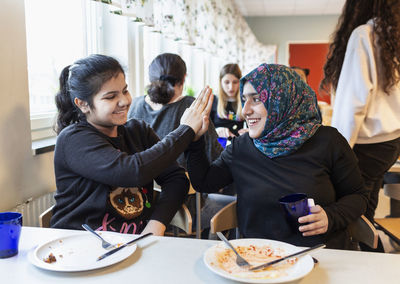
(179,260)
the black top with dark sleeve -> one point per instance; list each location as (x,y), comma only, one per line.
(325,168)
(233,124)
(107,182)
(168,118)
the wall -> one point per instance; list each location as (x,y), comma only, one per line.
(21,175)
(281,30)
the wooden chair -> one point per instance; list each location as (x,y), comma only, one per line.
(181,220)
(390,225)
(192,191)
(225,219)
(362,230)
(44,218)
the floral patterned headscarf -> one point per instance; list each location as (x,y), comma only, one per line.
(293,115)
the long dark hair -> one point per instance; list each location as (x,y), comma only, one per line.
(165,71)
(82,80)
(386,15)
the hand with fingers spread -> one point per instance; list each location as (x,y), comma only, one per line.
(317,222)
(197,115)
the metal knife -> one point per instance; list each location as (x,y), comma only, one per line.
(286,257)
(122,246)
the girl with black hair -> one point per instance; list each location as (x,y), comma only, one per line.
(162,109)
(104,165)
(165,102)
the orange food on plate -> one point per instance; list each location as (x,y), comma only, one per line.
(255,255)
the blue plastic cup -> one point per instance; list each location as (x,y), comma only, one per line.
(294,205)
(10,231)
(222,141)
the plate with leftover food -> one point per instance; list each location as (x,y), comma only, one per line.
(80,252)
(222,261)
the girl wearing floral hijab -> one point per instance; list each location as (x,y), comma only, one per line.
(286,151)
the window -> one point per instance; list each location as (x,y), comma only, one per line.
(55,32)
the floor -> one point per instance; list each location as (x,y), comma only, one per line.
(382,211)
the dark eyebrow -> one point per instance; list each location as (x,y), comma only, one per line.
(114,92)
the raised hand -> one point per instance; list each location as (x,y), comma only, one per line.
(197,115)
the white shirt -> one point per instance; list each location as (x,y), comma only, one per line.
(363,112)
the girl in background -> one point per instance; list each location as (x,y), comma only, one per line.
(104,165)
(226,113)
(163,107)
(363,69)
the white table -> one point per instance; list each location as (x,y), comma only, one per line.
(179,260)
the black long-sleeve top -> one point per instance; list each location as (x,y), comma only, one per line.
(168,118)
(107,182)
(234,125)
(325,168)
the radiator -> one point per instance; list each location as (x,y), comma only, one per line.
(33,207)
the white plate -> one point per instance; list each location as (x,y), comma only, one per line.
(80,252)
(296,271)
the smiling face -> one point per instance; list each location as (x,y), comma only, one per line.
(230,85)
(253,110)
(110,106)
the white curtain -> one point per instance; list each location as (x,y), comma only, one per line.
(215,26)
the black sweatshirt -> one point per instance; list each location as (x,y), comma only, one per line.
(107,182)
(325,168)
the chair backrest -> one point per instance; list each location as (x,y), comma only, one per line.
(44,218)
(224,219)
(183,220)
(392,190)
(361,230)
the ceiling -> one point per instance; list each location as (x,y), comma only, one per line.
(251,8)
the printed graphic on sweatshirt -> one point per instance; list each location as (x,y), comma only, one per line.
(128,202)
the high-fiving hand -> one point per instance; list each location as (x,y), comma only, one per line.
(197,115)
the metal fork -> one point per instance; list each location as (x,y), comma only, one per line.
(104,243)
(240,261)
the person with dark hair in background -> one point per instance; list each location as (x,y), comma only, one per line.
(162,109)
(363,69)
(104,165)
(226,113)
(165,103)
(286,151)
(303,72)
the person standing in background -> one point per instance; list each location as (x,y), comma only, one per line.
(226,113)
(363,69)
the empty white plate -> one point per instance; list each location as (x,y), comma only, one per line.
(80,252)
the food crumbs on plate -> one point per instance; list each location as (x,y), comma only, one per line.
(50,259)
(60,241)
(255,255)
(60,255)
